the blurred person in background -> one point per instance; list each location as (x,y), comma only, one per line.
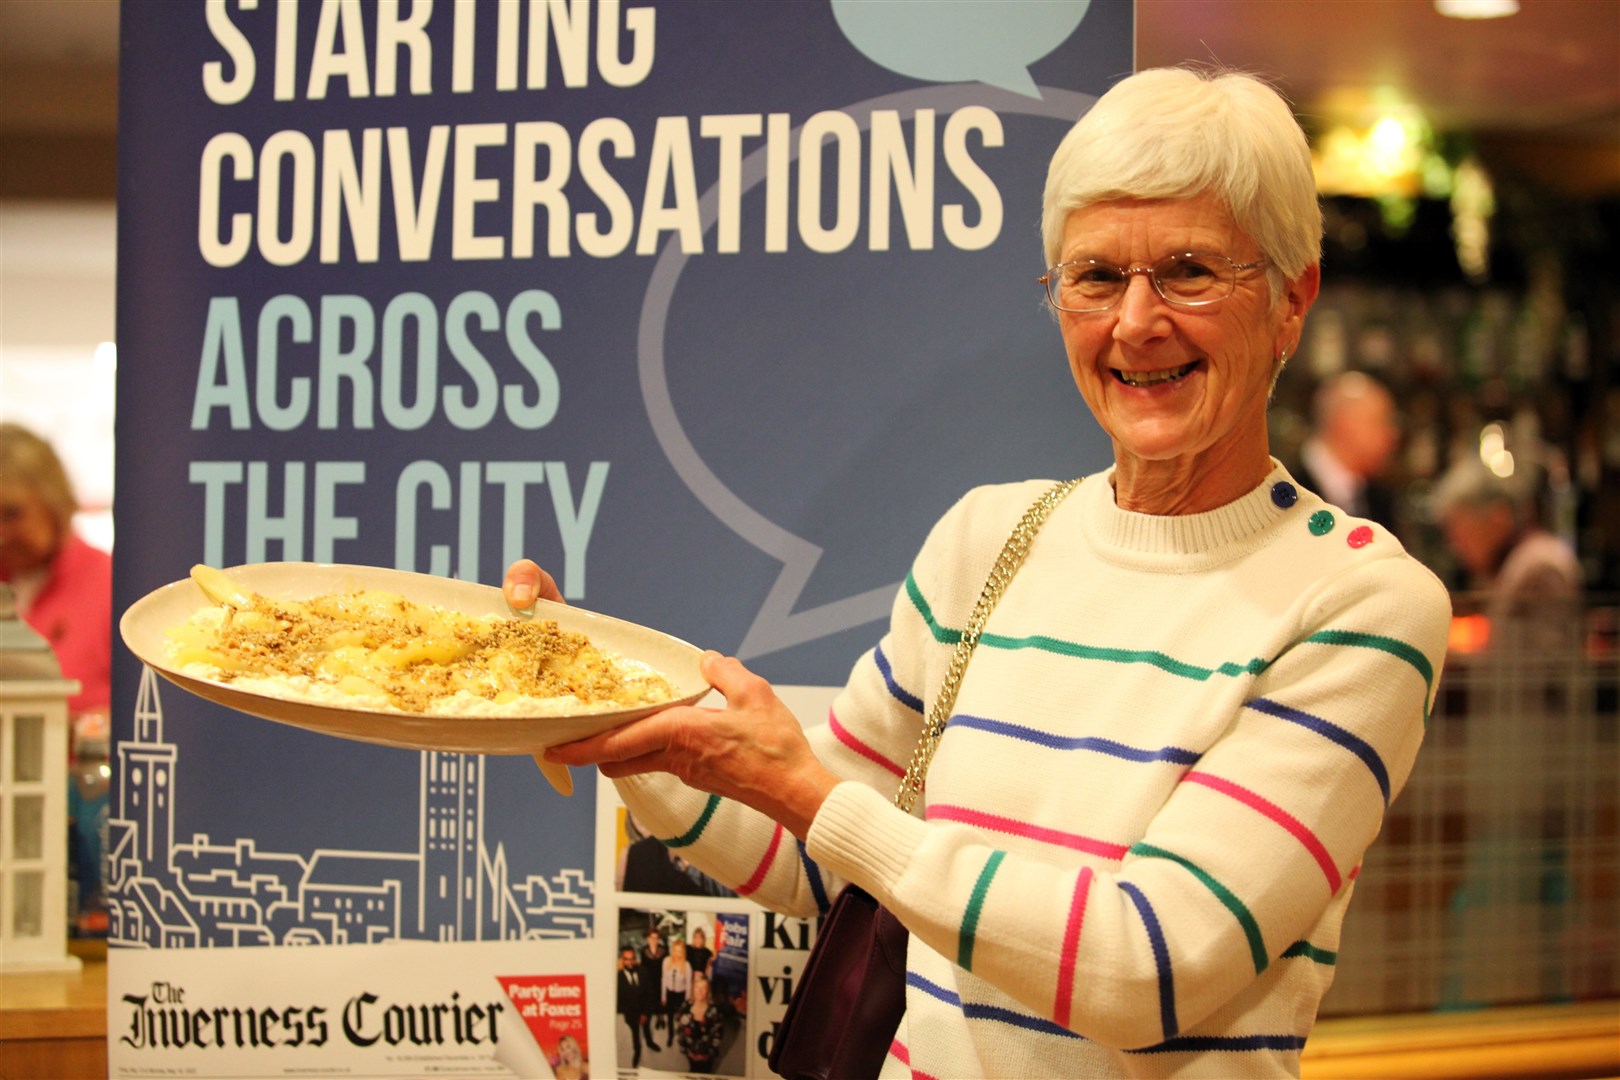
(63,584)
(1529,578)
(1517,688)
(1355,435)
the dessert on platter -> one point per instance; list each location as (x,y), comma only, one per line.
(405,659)
(374,648)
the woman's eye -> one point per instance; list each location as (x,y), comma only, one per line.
(1095,275)
(1185,270)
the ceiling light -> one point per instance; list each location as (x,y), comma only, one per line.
(1477,9)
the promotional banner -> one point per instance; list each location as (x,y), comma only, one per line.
(711,308)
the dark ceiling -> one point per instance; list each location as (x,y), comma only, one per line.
(1538,92)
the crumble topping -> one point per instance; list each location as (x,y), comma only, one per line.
(376,649)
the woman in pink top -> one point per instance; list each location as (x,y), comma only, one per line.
(63,585)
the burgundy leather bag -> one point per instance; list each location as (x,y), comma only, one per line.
(850,997)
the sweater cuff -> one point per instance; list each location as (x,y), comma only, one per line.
(863,837)
(662,804)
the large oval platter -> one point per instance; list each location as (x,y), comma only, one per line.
(145,624)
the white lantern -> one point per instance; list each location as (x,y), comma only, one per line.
(33,799)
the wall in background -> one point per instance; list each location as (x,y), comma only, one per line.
(57,271)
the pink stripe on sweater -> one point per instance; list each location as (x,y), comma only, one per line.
(1071,946)
(1276,813)
(997,823)
(898,1051)
(758,877)
(849,740)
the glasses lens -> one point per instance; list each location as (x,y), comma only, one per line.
(1194,279)
(1085,285)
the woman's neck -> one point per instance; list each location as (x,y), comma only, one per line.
(1187,485)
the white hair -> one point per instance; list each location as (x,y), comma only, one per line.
(1172,133)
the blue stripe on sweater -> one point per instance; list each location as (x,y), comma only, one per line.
(812,873)
(1173,754)
(973,1011)
(933,989)
(1178,1044)
(1331,732)
(896,691)
(1161,957)
(1200,1043)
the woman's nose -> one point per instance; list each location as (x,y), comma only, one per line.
(1141,311)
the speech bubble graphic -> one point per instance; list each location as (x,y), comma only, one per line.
(951,41)
(779,624)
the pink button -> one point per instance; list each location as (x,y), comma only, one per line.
(1360,536)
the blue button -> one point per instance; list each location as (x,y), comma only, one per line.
(1284,494)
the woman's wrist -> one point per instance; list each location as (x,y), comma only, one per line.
(802,801)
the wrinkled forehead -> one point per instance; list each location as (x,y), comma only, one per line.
(1144,230)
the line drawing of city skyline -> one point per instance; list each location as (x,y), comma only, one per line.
(163,892)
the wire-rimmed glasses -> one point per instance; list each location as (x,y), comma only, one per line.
(1186,279)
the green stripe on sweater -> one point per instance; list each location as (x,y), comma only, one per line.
(1393,646)
(689,837)
(1169,664)
(1057,646)
(1251,929)
(970,918)
(920,602)
(1326,957)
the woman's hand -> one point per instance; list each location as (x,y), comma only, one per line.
(525,582)
(753,750)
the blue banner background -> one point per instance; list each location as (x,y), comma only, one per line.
(754,409)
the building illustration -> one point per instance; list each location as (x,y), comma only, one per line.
(167,892)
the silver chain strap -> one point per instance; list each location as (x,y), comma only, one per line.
(1001,575)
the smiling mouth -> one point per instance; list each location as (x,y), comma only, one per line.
(1154,378)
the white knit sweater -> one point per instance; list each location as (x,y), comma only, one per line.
(1139,835)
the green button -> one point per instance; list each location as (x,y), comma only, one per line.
(1322,523)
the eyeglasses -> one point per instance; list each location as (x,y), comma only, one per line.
(1191,279)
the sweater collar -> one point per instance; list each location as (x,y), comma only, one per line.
(1184,542)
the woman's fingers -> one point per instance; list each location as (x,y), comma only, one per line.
(741,688)
(643,739)
(753,750)
(525,582)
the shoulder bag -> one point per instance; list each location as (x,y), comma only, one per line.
(851,995)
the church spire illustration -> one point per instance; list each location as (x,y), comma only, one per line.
(168,892)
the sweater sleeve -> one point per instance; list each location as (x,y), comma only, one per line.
(867,740)
(1262,833)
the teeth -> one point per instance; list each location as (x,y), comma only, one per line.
(1154,378)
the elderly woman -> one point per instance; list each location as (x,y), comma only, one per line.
(63,585)
(1192,706)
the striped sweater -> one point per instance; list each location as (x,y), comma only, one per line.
(1173,744)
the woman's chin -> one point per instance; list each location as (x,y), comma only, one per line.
(1155,444)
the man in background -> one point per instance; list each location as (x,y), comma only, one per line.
(631,1000)
(1354,438)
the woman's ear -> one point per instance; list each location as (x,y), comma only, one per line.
(1296,301)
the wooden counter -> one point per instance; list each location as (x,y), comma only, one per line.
(54,1026)
(1548,1042)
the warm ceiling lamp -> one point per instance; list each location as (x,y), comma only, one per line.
(1477,9)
